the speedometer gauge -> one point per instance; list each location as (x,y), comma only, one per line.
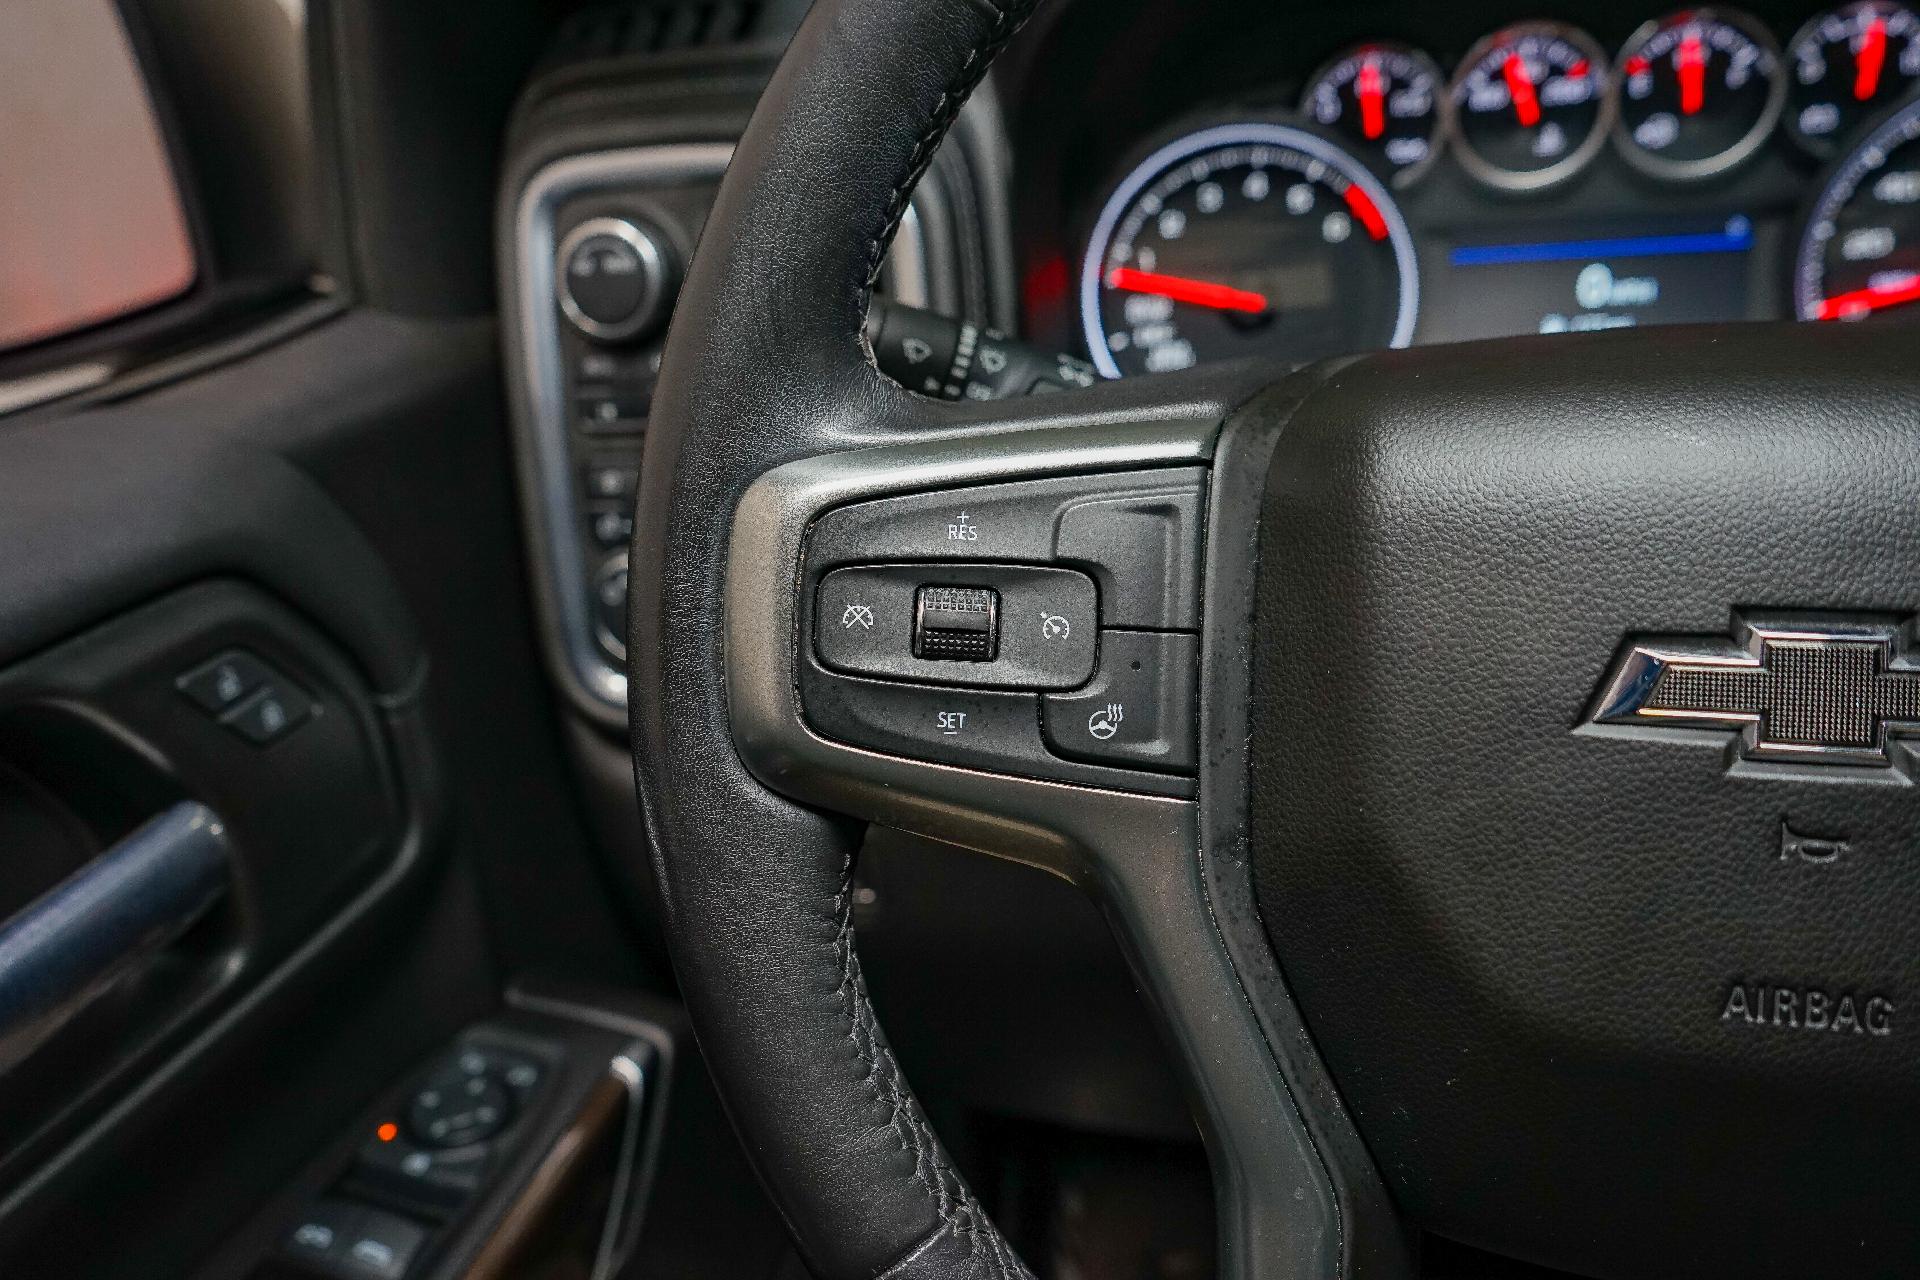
(1860,252)
(1531,106)
(1244,240)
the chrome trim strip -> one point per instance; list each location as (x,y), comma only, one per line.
(614,1247)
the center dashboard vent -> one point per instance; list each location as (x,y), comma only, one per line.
(637,30)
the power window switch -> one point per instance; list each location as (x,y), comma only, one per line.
(956,624)
(381,1246)
(317,1243)
(220,685)
(275,710)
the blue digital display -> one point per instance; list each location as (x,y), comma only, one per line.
(1664,274)
(1736,237)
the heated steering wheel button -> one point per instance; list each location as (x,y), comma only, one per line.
(956,624)
(1139,710)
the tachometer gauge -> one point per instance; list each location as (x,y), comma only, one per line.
(1384,102)
(1860,252)
(1847,65)
(1531,105)
(1246,239)
(1699,92)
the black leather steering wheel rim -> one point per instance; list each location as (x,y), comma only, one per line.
(765,364)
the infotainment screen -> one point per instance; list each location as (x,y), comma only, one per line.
(1666,274)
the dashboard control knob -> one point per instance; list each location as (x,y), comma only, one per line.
(616,278)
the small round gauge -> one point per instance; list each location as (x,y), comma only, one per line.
(1531,105)
(1247,239)
(1860,251)
(1699,92)
(1384,102)
(1846,66)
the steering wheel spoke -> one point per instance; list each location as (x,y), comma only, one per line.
(1013,493)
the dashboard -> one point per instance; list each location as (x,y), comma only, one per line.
(1296,182)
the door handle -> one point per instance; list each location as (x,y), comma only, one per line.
(76,939)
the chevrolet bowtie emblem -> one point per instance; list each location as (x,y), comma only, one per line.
(1807,691)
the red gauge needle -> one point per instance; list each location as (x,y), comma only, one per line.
(1366,210)
(1691,64)
(1200,293)
(1526,103)
(1862,301)
(1872,57)
(1371,89)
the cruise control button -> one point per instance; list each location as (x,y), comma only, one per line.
(1139,710)
(1045,621)
(1012,521)
(1144,549)
(947,726)
(956,624)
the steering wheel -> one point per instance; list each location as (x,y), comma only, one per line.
(1543,877)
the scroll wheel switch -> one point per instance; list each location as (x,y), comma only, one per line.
(956,624)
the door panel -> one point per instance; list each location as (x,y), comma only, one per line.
(339,507)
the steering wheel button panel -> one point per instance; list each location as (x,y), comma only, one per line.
(1139,710)
(1137,533)
(1046,622)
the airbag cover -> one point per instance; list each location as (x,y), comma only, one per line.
(1582,987)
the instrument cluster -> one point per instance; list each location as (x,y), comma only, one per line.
(1305,229)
